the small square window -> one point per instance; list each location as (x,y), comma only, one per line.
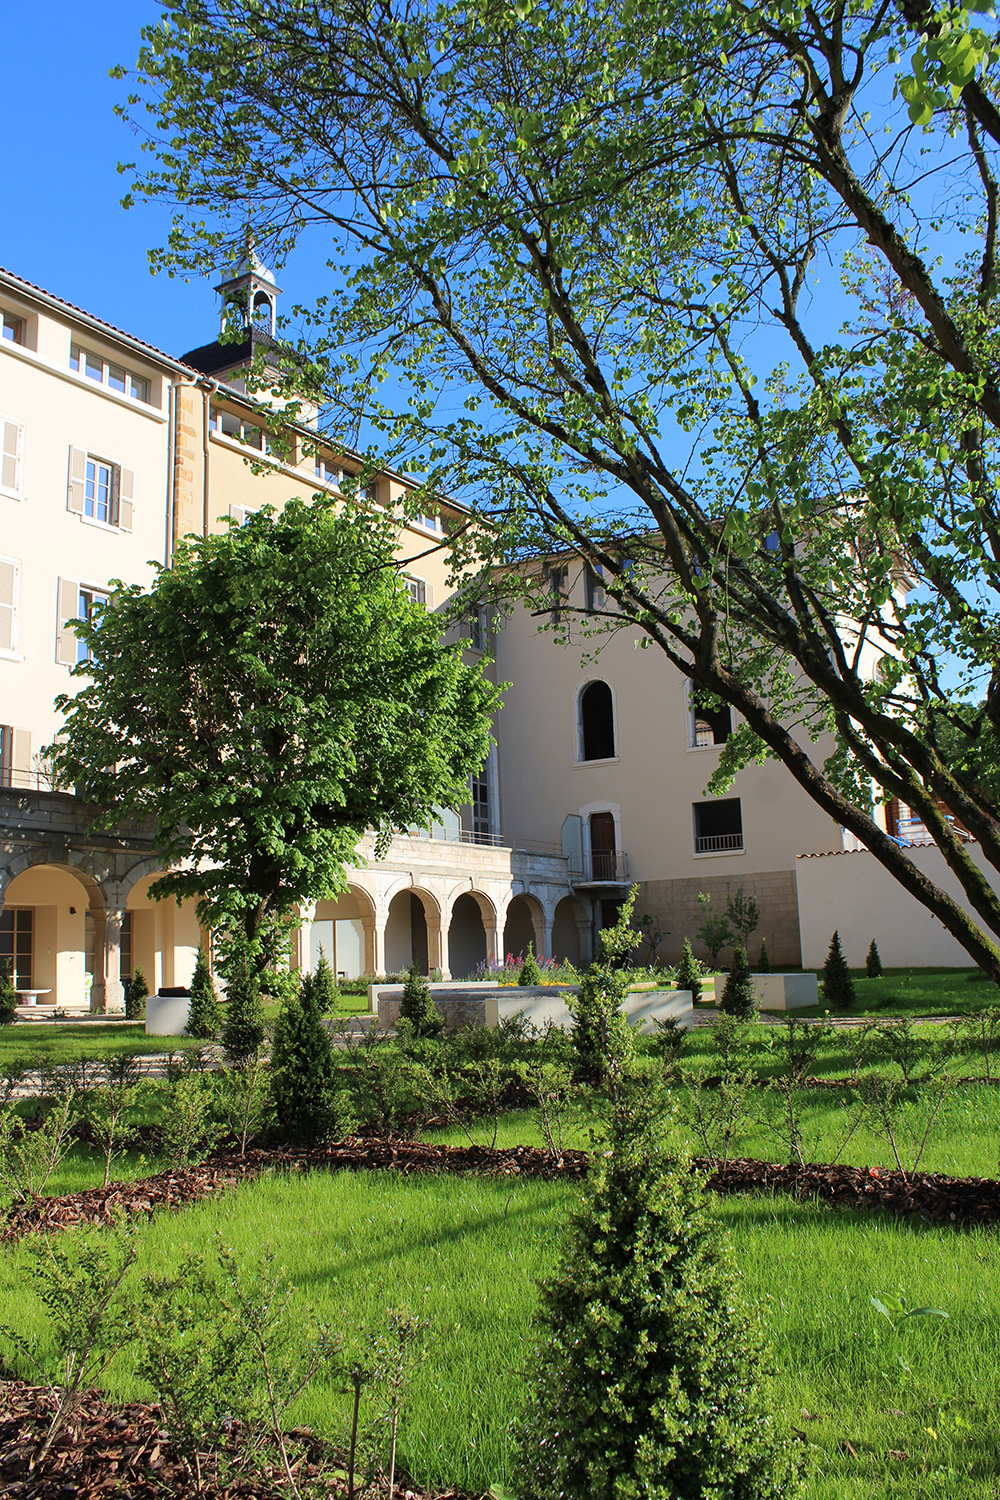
(116,378)
(12,327)
(138,388)
(718,826)
(327,471)
(75,357)
(93,367)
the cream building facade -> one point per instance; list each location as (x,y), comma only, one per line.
(113,451)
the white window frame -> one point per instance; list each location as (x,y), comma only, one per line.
(18,325)
(328,472)
(6,420)
(12,653)
(416,588)
(80,358)
(215,419)
(92,593)
(95,467)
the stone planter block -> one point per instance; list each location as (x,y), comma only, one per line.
(645,1007)
(778,991)
(167,1015)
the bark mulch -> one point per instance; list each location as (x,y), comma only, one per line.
(225,1170)
(107,1451)
(930,1197)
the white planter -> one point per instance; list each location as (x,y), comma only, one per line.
(778,991)
(167,1015)
(645,1007)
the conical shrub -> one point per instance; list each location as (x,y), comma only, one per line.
(651,1380)
(838,986)
(530,972)
(136,995)
(738,998)
(303,1076)
(243,1029)
(417,1005)
(8,997)
(763,961)
(689,972)
(873,964)
(204,1016)
(324,986)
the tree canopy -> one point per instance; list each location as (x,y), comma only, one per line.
(716,283)
(273,695)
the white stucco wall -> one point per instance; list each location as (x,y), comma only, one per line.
(852,893)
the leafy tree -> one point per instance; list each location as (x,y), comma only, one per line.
(598,223)
(204,1018)
(651,1376)
(296,696)
(324,986)
(136,995)
(715,932)
(743,914)
(738,998)
(763,961)
(529,973)
(873,964)
(243,1029)
(417,1005)
(303,1075)
(838,986)
(8,997)
(689,972)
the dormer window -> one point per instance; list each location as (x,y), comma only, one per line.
(12,327)
(102,372)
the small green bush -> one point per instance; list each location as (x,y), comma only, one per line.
(243,1030)
(838,986)
(8,997)
(602,1038)
(873,964)
(529,972)
(324,986)
(689,972)
(738,998)
(417,1005)
(204,1018)
(136,995)
(651,1380)
(763,962)
(303,1076)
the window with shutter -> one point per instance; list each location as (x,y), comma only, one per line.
(12,440)
(100,490)
(66,641)
(9,581)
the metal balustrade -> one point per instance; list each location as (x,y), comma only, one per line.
(717,843)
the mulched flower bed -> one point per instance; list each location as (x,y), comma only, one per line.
(123,1451)
(929,1197)
(224,1170)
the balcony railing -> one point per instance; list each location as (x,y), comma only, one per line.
(12,778)
(717,843)
(599,867)
(440,834)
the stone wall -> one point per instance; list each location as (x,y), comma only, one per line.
(674,904)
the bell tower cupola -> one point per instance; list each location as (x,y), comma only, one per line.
(249,298)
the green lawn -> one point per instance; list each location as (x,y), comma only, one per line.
(911,992)
(464,1254)
(62,1042)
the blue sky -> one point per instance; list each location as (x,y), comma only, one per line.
(62,225)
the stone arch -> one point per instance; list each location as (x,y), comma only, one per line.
(524,923)
(57,914)
(571,931)
(412,929)
(343,928)
(468,944)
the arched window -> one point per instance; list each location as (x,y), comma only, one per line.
(597,722)
(262,311)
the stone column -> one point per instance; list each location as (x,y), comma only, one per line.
(374,942)
(492,940)
(437,939)
(98,985)
(302,945)
(114,990)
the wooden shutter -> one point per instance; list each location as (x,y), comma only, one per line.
(11,440)
(125,486)
(429,595)
(77,480)
(22,758)
(238,514)
(8,605)
(69,611)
